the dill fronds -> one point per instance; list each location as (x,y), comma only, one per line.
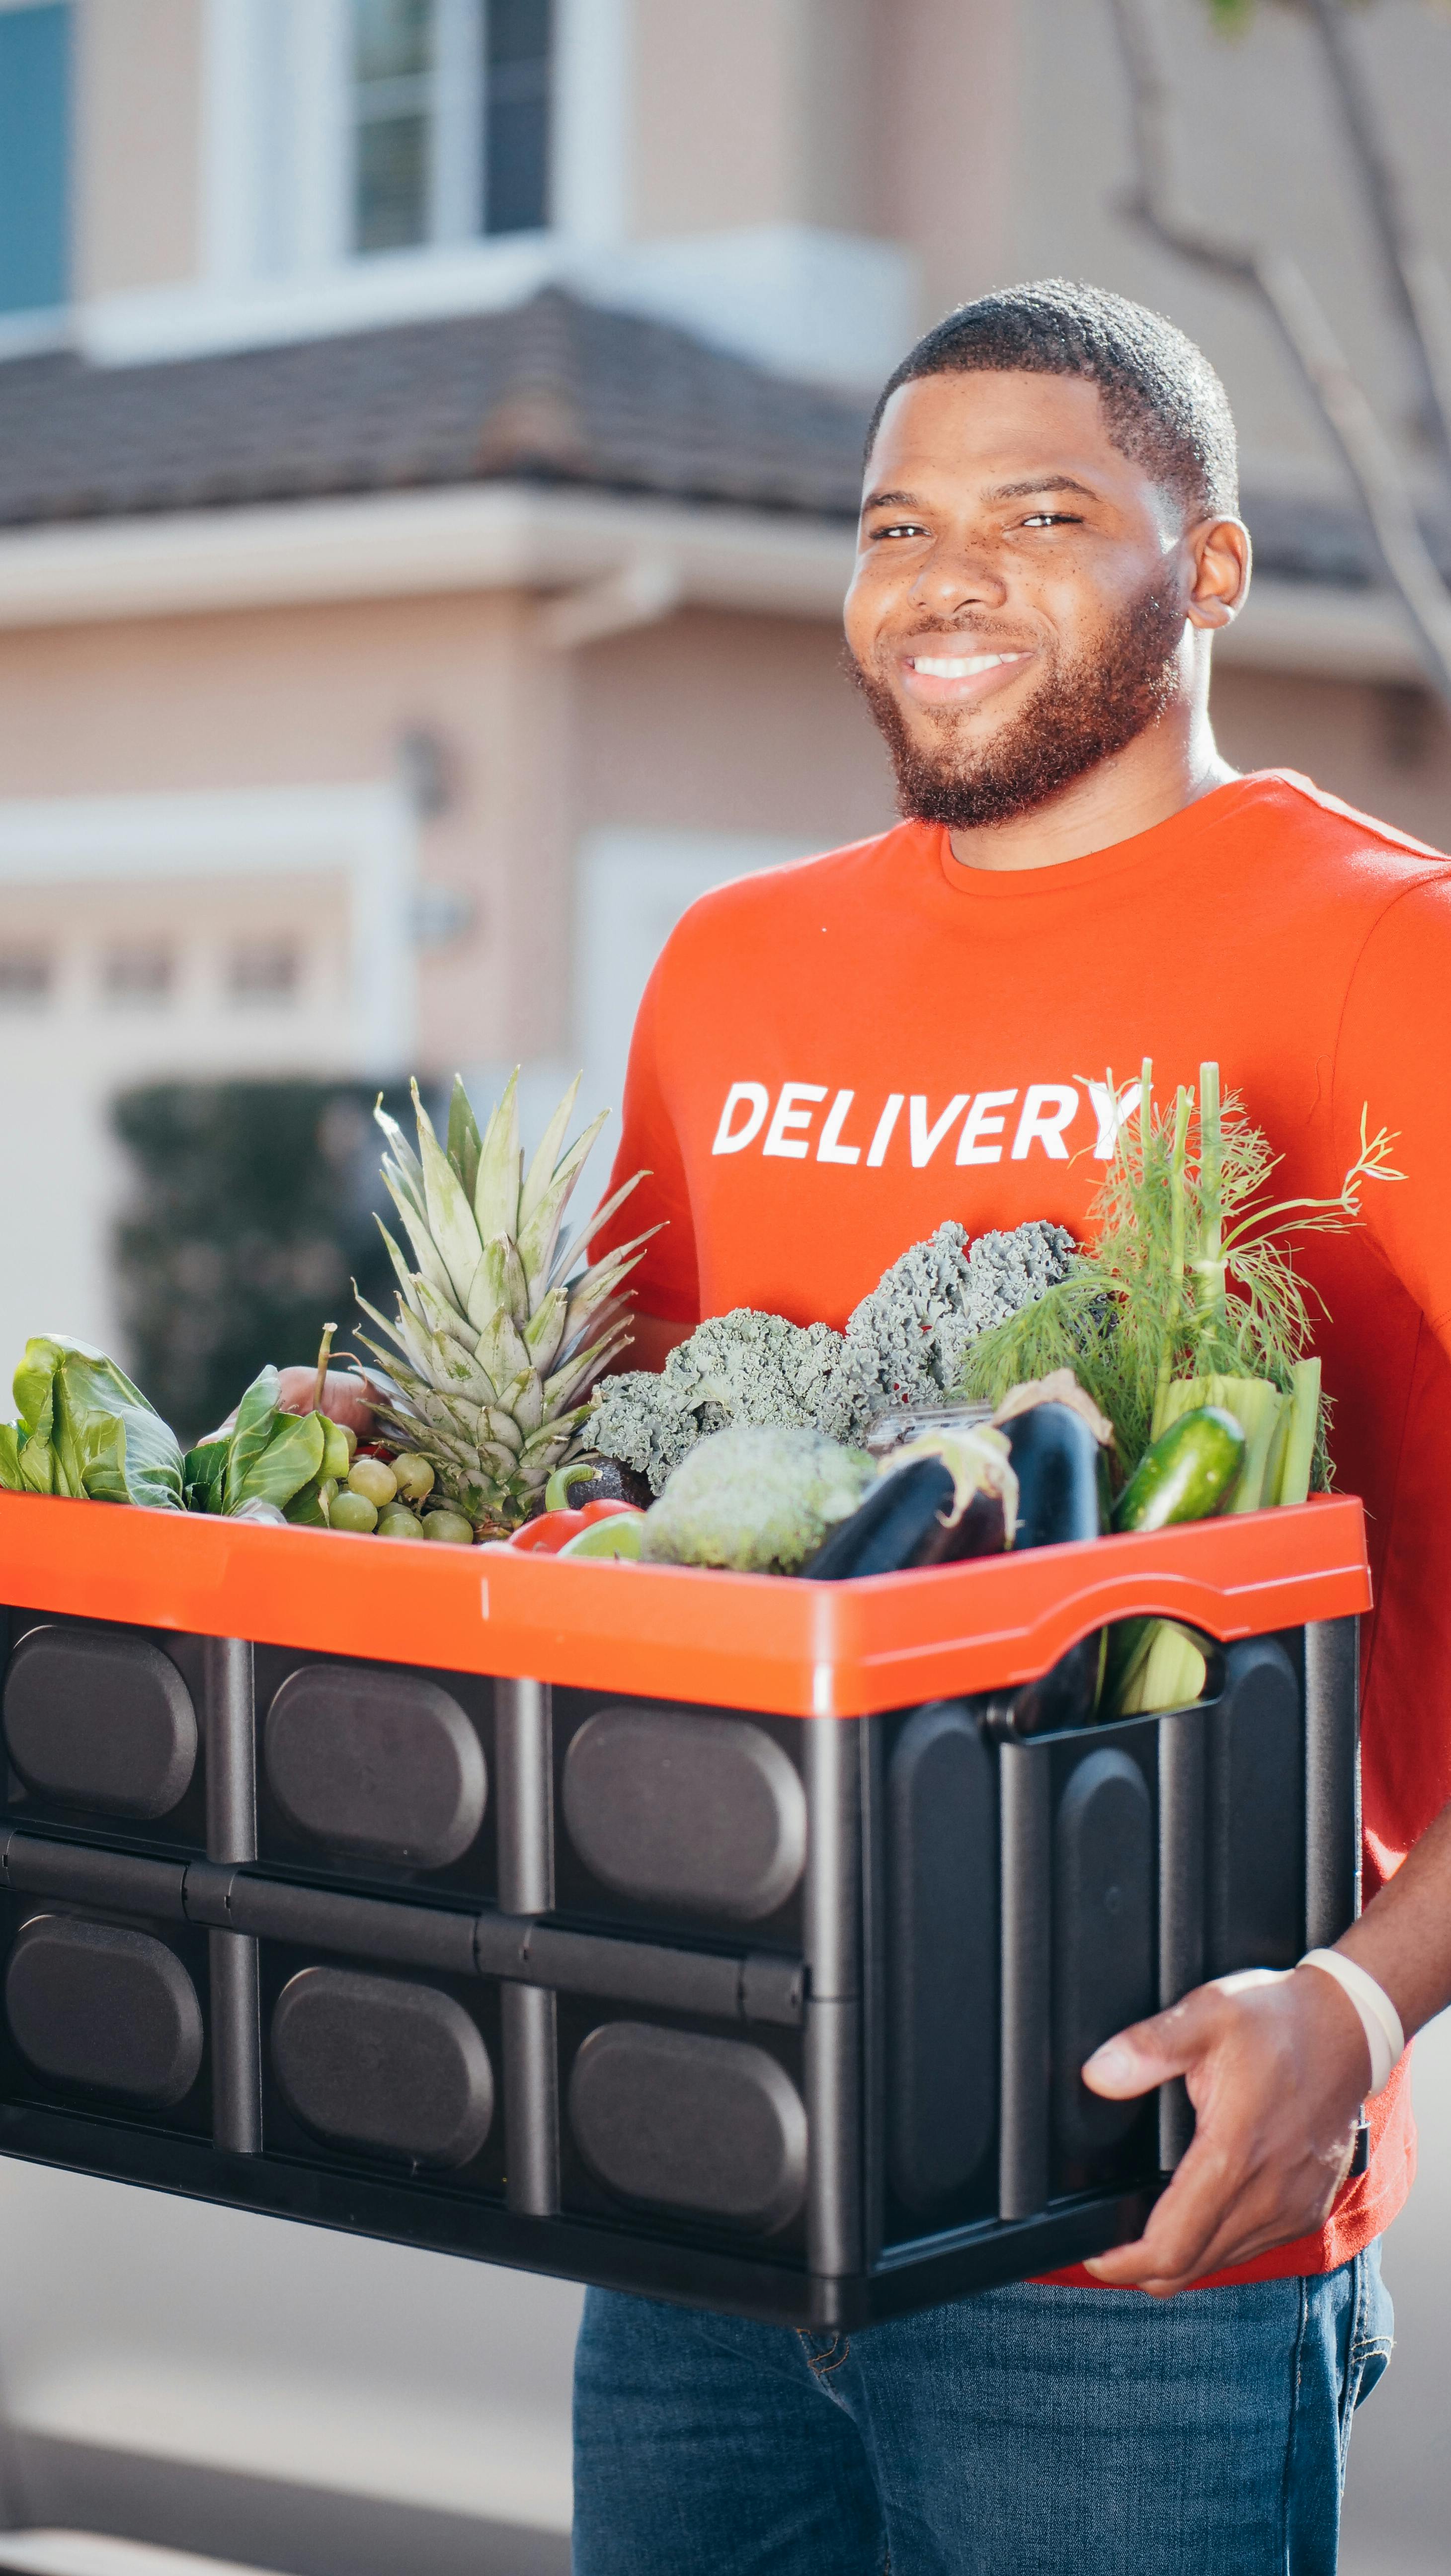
(1191,1272)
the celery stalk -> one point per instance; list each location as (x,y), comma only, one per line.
(1256,1407)
(1168,1673)
(1304,1422)
(1174,1286)
(1209,1263)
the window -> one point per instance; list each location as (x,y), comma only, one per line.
(393,93)
(263,970)
(450,119)
(516,115)
(26,976)
(34,158)
(141,972)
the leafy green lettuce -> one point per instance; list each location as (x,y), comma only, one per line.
(84,1430)
(268,1456)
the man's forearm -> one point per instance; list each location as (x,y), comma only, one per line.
(1403,1939)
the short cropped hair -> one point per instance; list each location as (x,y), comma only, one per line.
(1165,406)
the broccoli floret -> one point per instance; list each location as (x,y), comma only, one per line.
(903,1345)
(907,1338)
(743,1367)
(757,1499)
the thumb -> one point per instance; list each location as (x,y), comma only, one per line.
(1146,2054)
(1150,2052)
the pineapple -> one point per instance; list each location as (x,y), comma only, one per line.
(494,1347)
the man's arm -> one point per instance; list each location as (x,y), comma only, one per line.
(1277,2067)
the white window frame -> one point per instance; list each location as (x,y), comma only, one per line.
(278,190)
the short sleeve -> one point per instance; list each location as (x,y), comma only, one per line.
(1393,1063)
(665,1283)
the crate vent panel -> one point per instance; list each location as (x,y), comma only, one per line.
(382,1764)
(104,2006)
(672,1808)
(1104,1867)
(713,2126)
(382,2063)
(99,1718)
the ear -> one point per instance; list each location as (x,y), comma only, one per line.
(1219,561)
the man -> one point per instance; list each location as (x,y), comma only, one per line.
(831,1059)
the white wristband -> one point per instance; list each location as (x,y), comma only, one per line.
(1379,2018)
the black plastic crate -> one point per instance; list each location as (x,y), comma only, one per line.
(774,2014)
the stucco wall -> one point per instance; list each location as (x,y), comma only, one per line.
(313,696)
(1386,751)
(727,724)
(760,113)
(705,723)
(139,106)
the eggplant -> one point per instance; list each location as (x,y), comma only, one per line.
(902,1524)
(1067,1694)
(1057,1461)
(1059,1466)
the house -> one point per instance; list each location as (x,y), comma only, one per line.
(429,439)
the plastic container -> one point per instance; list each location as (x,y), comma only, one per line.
(709,1935)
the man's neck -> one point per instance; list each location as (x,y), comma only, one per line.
(1155,776)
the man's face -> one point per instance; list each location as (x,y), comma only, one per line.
(1017,614)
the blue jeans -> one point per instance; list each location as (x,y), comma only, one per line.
(1024,2432)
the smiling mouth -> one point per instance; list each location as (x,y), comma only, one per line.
(964,666)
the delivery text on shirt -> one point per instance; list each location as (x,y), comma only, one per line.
(808,1119)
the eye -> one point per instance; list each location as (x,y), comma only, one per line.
(898,528)
(1052,519)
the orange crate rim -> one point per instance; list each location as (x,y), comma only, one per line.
(795,1648)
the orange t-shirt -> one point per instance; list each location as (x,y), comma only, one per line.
(833,1057)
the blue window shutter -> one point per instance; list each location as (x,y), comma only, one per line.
(35,119)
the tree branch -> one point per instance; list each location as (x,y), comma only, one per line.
(1417,279)
(1305,330)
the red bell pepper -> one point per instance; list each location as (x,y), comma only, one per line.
(547,1535)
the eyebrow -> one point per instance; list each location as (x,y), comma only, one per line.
(1042,483)
(1031,485)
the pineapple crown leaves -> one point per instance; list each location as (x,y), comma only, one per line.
(495,1345)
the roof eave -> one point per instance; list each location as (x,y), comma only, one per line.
(517,536)
(491,536)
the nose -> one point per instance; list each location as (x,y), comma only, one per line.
(959,573)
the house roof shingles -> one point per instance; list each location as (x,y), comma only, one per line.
(555,390)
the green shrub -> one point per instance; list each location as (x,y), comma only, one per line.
(250,1213)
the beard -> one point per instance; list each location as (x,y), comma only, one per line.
(1082,712)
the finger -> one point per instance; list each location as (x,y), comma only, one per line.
(1131,2063)
(1274,2210)
(1181,2229)
(1170,2043)
(1149,2052)
(1214,2229)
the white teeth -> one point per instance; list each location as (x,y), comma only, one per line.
(936,666)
